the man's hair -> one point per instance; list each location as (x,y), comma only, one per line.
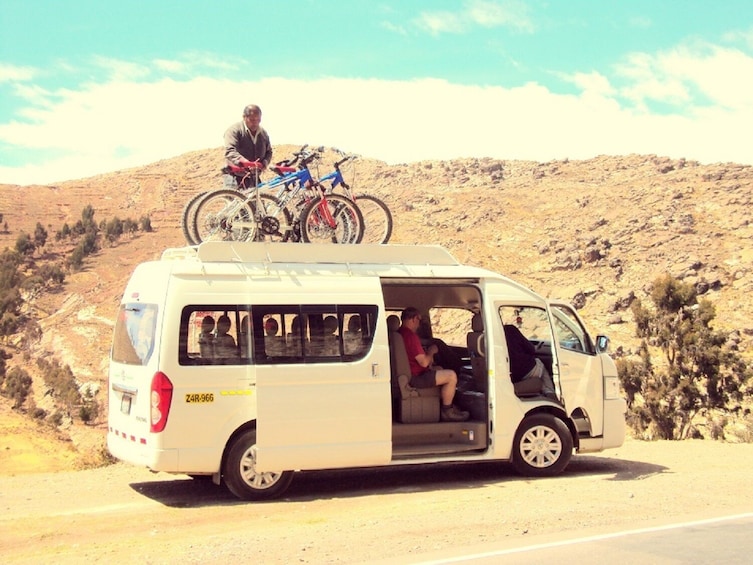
(251,109)
(409,313)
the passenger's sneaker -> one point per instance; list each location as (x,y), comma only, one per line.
(452,414)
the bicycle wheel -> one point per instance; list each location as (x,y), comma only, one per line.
(224,215)
(332,220)
(377,219)
(186,220)
(274,221)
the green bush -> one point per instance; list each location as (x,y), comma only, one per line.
(699,373)
(16,386)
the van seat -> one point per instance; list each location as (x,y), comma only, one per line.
(413,405)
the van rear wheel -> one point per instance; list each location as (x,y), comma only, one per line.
(543,446)
(240,474)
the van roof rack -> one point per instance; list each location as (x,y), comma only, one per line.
(308,253)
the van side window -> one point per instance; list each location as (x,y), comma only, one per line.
(570,333)
(215,335)
(313,333)
(275,334)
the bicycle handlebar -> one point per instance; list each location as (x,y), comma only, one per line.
(253,165)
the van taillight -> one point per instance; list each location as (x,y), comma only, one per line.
(161,396)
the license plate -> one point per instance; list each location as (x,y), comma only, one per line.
(125,404)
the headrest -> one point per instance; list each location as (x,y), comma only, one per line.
(393,323)
(477,323)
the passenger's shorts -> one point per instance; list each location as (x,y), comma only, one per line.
(427,379)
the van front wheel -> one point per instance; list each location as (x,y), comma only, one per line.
(543,446)
(240,474)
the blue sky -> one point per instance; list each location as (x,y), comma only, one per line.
(89,86)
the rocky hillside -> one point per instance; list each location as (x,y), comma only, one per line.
(594,232)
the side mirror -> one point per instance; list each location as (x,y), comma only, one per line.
(602,343)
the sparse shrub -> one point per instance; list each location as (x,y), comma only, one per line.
(89,410)
(76,260)
(146,224)
(56,418)
(40,235)
(60,380)
(24,244)
(700,373)
(16,386)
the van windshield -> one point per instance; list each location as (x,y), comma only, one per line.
(133,340)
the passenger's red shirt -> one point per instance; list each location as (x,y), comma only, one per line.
(413,347)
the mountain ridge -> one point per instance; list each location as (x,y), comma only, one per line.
(593,232)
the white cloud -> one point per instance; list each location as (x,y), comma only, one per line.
(122,70)
(690,72)
(484,13)
(122,121)
(15,73)
(510,13)
(440,22)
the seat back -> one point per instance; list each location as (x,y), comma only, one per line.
(476,342)
(398,356)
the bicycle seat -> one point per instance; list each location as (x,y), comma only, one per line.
(282,169)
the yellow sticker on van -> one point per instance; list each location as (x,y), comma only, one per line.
(197,398)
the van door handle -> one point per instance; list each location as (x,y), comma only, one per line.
(375,370)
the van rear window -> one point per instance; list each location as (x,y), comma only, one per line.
(133,340)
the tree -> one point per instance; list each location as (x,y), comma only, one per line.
(17,386)
(146,224)
(24,244)
(40,235)
(699,374)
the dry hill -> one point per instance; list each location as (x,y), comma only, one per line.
(594,232)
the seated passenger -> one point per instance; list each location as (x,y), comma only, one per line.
(206,337)
(352,339)
(273,344)
(293,346)
(445,357)
(224,344)
(329,343)
(523,361)
(423,373)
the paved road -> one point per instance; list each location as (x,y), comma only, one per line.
(727,540)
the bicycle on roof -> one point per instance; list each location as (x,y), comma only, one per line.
(235,178)
(376,214)
(316,216)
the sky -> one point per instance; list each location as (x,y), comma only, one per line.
(88,87)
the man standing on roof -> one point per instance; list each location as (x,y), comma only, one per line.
(246,142)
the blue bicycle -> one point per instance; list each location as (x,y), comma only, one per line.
(377,217)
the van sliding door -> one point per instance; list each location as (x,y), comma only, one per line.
(324,403)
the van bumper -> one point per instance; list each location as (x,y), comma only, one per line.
(614,428)
(142,455)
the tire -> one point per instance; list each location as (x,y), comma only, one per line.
(224,215)
(347,217)
(186,221)
(543,446)
(377,219)
(240,476)
(275,223)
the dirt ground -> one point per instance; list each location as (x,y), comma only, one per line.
(405,514)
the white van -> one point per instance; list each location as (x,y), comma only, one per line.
(250,361)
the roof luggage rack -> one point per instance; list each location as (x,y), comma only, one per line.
(314,253)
